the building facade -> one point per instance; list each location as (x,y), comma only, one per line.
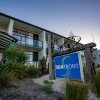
(96,57)
(33,39)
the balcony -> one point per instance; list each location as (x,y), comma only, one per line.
(28,42)
(6,40)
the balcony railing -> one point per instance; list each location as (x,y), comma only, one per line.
(28,41)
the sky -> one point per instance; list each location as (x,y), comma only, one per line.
(82,17)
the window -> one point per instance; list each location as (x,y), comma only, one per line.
(35,37)
(17,37)
(35,56)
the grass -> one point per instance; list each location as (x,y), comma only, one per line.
(76,91)
(5,79)
(32,71)
(48,86)
(97,82)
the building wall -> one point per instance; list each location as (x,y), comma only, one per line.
(96,55)
(96,58)
(30,57)
(0,56)
(10,27)
(3,28)
(82,58)
(42,37)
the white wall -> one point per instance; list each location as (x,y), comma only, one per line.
(10,27)
(0,56)
(42,37)
(82,58)
(3,28)
(96,57)
(30,56)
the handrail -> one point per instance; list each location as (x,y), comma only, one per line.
(26,36)
(36,43)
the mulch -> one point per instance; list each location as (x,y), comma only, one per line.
(27,89)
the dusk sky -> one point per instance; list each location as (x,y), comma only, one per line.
(82,17)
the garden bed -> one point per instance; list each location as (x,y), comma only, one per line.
(26,89)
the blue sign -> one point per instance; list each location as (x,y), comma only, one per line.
(69,66)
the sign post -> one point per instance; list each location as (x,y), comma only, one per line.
(69,66)
(74,46)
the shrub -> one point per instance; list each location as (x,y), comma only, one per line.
(42,66)
(20,70)
(31,71)
(17,69)
(76,91)
(48,86)
(48,82)
(5,79)
(12,54)
(21,56)
(97,82)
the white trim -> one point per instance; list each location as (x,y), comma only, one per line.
(0,56)
(10,27)
(80,63)
(81,67)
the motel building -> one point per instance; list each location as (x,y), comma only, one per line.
(33,39)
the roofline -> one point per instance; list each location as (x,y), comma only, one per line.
(33,25)
(30,24)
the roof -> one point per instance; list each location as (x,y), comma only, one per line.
(34,26)
(30,24)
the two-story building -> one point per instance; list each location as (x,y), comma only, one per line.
(33,39)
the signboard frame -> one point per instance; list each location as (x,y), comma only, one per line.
(80,66)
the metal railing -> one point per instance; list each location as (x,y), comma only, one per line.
(29,41)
